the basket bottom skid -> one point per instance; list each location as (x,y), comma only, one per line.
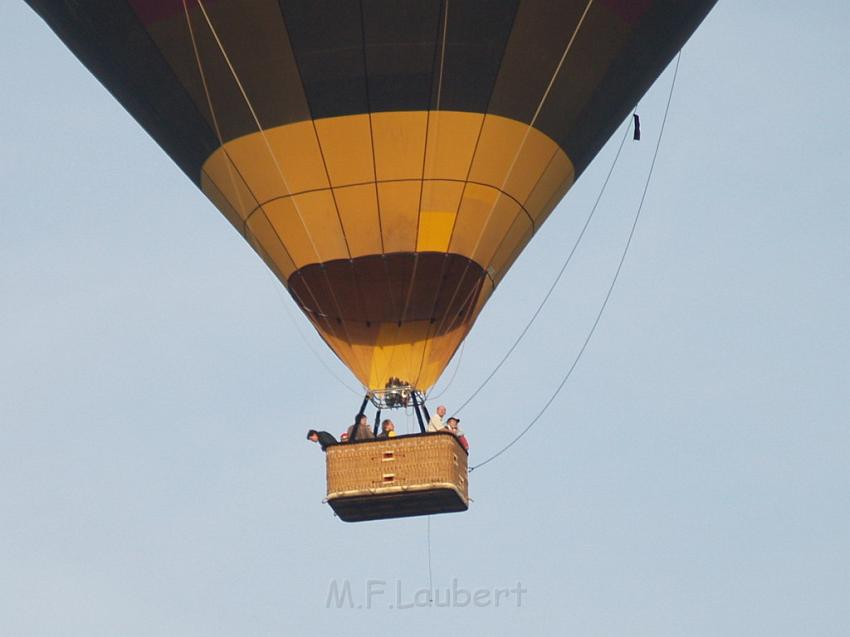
(362,508)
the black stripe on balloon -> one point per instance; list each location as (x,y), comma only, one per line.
(327,40)
(109,39)
(653,43)
(476,36)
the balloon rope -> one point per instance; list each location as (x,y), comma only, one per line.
(285,303)
(441,49)
(260,128)
(454,374)
(557,278)
(470,303)
(430,572)
(443,34)
(285,183)
(610,288)
(519,150)
(231,167)
(530,126)
(442,55)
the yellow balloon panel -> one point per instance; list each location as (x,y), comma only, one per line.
(346,144)
(392,271)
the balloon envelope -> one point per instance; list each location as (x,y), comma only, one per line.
(388,160)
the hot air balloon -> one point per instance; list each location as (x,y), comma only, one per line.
(388,160)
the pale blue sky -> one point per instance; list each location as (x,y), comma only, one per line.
(692,478)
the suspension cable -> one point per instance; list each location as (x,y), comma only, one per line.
(430,572)
(454,374)
(610,288)
(557,278)
(304,339)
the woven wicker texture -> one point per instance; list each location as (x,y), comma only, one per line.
(404,463)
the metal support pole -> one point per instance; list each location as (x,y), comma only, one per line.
(354,429)
(418,414)
(377,420)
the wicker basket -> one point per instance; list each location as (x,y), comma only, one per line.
(397,477)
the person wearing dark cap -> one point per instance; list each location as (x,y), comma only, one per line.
(324,439)
(452,424)
(360,430)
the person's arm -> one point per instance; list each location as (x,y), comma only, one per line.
(326,439)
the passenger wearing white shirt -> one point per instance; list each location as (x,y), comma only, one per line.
(436,422)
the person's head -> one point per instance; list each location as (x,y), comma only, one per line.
(344,436)
(360,419)
(313,435)
(441,411)
(453,422)
(387,425)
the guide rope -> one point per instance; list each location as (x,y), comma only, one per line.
(610,288)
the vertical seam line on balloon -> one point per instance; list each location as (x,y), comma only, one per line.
(472,160)
(533,121)
(567,48)
(274,160)
(331,189)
